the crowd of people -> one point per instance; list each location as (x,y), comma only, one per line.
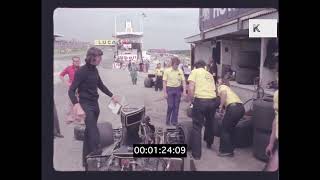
(206,91)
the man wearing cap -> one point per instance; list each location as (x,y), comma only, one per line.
(202,90)
(173,80)
(87,81)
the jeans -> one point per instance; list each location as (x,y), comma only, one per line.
(173,100)
(234,113)
(203,113)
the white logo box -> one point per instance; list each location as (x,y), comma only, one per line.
(268,28)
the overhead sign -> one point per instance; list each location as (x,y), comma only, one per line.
(211,17)
(127,46)
(128,41)
(127,57)
(105,42)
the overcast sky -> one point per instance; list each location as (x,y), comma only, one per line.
(163,28)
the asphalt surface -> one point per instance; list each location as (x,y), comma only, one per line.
(68,151)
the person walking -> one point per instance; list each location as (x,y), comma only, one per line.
(87,81)
(134,73)
(202,90)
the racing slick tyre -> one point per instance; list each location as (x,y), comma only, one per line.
(243,133)
(106,134)
(263,114)
(246,75)
(79,132)
(185,129)
(148,82)
(249,59)
(105,130)
(260,142)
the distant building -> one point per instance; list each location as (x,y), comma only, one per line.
(129,44)
(157,51)
(68,45)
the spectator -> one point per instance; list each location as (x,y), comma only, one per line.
(70,71)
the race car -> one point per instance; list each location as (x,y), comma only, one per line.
(117,154)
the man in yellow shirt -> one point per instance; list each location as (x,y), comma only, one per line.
(173,79)
(234,111)
(202,89)
(158,73)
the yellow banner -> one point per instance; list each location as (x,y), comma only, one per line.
(105,42)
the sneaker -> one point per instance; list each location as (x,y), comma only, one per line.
(58,135)
(225,154)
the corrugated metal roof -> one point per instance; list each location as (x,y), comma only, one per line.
(258,14)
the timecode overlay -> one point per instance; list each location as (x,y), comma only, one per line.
(160,150)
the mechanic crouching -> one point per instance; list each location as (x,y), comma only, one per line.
(87,81)
(202,88)
(234,111)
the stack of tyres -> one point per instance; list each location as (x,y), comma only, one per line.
(246,76)
(247,67)
(263,115)
(260,143)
